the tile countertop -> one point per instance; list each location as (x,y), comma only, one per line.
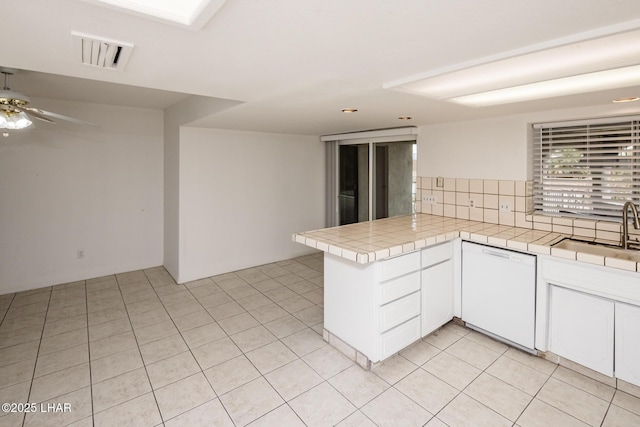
(366,242)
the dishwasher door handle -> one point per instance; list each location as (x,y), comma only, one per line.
(496,254)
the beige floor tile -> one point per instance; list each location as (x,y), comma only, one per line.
(155,332)
(102,316)
(393,408)
(266,285)
(115,364)
(226,310)
(251,401)
(419,352)
(141,411)
(302,287)
(183,395)
(62,359)
(107,329)
(253,338)
(13,419)
(316,296)
(293,379)
(442,338)
(237,323)
(66,312)
(435,422)
(38,307)
(202,335)
(574,401)
(139,308)
(268,313)
(281,416)
(503,398)
(618,417)
(488,342)
(605,379)
(310,316)
(209,414)
(162,349)
(58,383)
(394,369)
(119,389)
(452,370)
(584,383)
(231,374)
(112,345)
(627,401)
(65,325)
(170,370)
(271,356)
(183,308)
(216,352)
(285,326)
(18,353)
(521,376)
(358,385)
(192,320)
(327,362)
(15,393)
(254,301)
(426,390)
(473,353)
(280,293)
(242,292)
(20,336)
(149,318)
(629,388)
(540,414)
(357,419)
(304,342)
(18,322)
(322,405)
(295,303)
(463,408)
(215,300)
(80,401)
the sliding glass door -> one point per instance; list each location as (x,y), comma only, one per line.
(375,180)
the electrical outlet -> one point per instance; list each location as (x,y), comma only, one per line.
(80,253)
(472,203)
(505,207)
(429,199)
(439,181)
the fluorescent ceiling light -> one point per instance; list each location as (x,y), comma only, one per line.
(190,13)
(602,80)
(530,73)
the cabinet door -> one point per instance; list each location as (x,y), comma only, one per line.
(581,329)
(628,343)
(437,296)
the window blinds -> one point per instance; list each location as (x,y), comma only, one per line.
(586,168)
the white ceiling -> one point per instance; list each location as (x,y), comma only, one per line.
(296,63)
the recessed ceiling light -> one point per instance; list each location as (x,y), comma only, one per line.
(629,99)
(405,118)
(349,110)
(586,58)
(192,14)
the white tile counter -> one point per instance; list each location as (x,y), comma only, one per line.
(367,242)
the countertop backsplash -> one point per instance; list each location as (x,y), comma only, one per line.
(488,195)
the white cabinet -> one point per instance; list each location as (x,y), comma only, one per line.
(582,328)
(437,286)
(627,338)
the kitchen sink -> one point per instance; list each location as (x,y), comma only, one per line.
(601,249)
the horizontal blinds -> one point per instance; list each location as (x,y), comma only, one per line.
(586,169)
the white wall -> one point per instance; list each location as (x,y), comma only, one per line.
(497,148)
(64,188)
(242,195)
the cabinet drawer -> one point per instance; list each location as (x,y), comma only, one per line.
(399,265)
(436,254)
(399,287)
(399,311)
(400,337)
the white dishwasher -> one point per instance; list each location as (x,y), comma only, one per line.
(499,293)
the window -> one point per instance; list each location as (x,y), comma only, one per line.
(587,168)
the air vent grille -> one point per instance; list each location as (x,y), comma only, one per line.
(100,52)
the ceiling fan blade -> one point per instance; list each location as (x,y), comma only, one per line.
(43,113)
(34,114)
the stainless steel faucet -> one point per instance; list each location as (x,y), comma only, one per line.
(625,223)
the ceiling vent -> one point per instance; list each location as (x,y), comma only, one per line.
(100,52)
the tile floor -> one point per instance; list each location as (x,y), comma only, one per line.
(135,349)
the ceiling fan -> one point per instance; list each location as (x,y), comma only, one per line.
(15,113)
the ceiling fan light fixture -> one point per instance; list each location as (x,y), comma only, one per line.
(14,120)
